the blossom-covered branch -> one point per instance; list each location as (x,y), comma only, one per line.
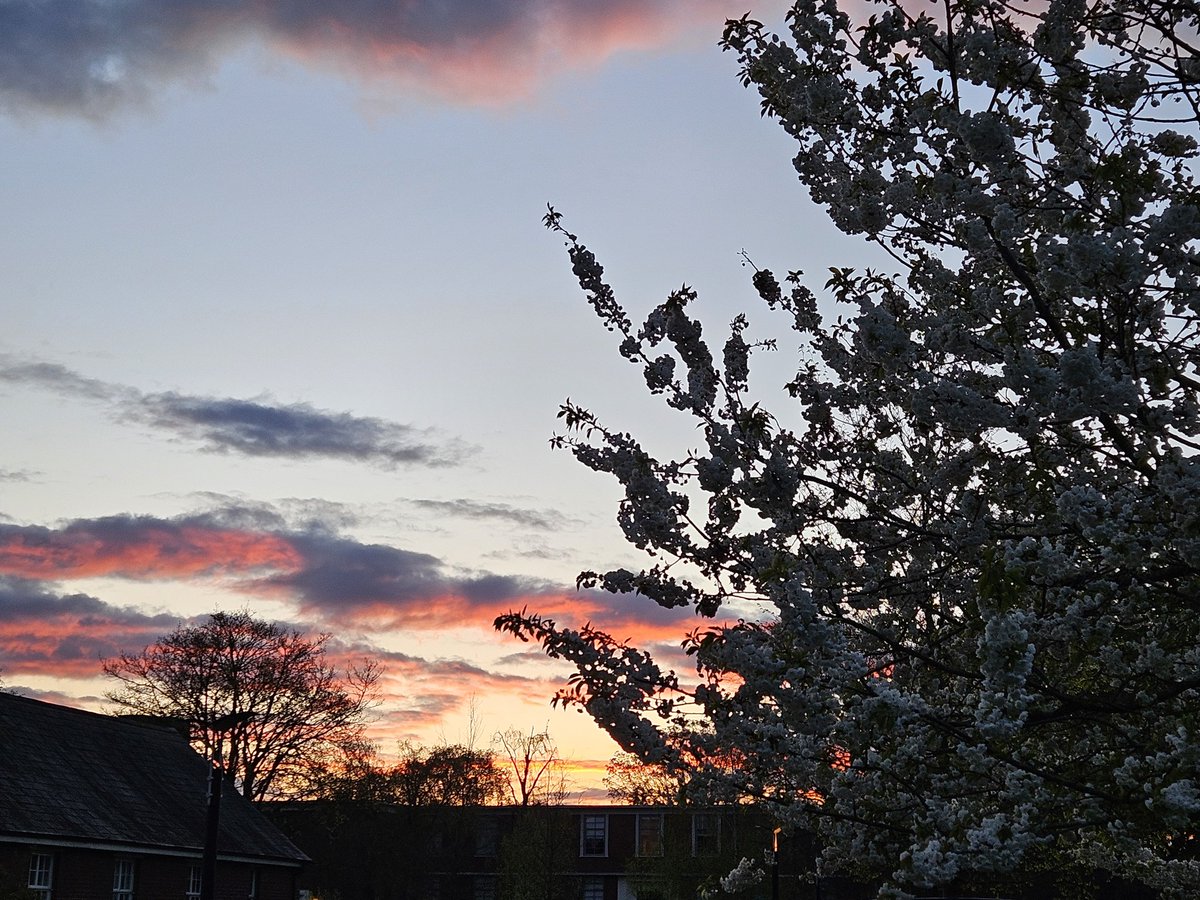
(948,619)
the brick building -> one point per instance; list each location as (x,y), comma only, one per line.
(382,851)
(97,807)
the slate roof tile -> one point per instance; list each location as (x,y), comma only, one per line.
(67,774)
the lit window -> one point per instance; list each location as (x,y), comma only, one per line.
(649,834)
(123,880)
(706,834)
(593,888)
(193,888)
(41,874)
(593,836)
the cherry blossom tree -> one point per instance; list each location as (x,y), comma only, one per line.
(947,587)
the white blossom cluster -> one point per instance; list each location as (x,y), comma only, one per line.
(745,875)
(981,550)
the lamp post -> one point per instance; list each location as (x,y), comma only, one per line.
(212,828)
(775,863)
(212,818)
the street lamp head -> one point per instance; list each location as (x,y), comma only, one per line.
(229,720)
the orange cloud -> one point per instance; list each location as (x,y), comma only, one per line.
(327,576)
(42,633)
(143,550)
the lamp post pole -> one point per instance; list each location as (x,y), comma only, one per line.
(212,818)
(212,828)
(775,864)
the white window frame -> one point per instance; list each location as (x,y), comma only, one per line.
(195,881)
(41,875)
(715,820)
(253,895)
(584,837)
(123,879)
(644,821)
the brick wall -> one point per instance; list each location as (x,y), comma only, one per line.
(88,875)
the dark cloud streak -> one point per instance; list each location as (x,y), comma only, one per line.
(251,427)
(328,576)
(296,430)
(540,519)
(61,380)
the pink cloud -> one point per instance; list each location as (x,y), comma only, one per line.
(145,550)
(515,56)
(331,580)
(91,56)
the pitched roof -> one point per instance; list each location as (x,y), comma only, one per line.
(71,775)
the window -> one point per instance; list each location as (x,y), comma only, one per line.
(649,834)
(593,886)
(123,879)
(706,834)
(41,874)
(484,887)
(193,888)
(487,834)
(593,836)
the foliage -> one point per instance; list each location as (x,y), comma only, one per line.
(952,580)
(384,830)
(537,856)
(357,776)
(380,851)
(679,872)
(629,780)
(670,781)
(261,701)
(13,885)
(448,776)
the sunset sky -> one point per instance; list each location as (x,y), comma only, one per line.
(283,330)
